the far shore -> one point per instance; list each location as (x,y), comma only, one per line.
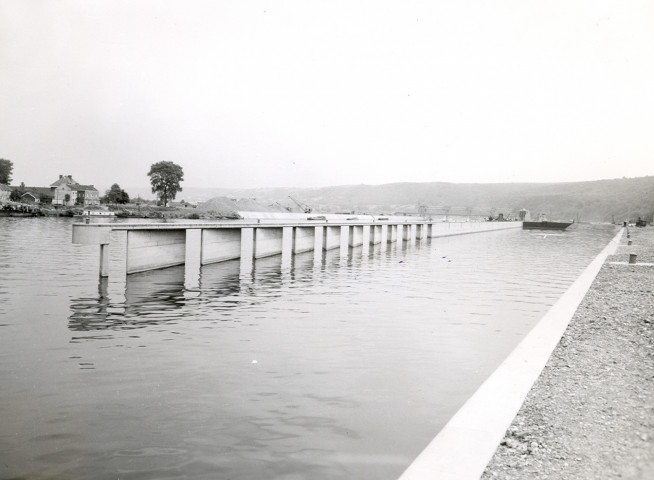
(121,211)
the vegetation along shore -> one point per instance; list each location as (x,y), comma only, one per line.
(590,414)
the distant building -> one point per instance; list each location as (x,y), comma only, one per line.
(77,194)
(87,194)
(64,191)
(32,195)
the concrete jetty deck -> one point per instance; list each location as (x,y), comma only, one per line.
(158,245)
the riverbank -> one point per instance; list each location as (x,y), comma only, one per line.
(590,414)
(121,211)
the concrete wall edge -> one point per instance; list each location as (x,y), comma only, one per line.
(465,445)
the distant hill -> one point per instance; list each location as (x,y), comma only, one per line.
(601,200)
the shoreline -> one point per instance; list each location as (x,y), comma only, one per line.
(143,212)
(590,413)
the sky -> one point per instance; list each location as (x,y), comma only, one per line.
(315,93)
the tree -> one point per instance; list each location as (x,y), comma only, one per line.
(15,195)
(115,195)
(165,178)
(6,166)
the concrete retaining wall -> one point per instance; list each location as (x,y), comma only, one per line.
(220,244)
(375,234)
(152,249)
(331,238)
(356,236)
(392,234)
(463,448)
(303,239)
(268,242)
(152,246)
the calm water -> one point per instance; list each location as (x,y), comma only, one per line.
(336,366)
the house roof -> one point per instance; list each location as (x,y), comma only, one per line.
(63,180)
(45,191)
(79,187)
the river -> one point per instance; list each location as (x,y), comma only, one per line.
(339,366)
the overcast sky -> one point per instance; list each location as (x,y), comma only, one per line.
(315,93)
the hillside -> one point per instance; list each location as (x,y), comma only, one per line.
(602,200)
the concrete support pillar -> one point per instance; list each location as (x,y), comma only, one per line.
(356,236)
(152,249)
(375,234)
(268,241)
(391,235)
(331,238)
(104,259)
(247,242)
(365,236)
(383,237)
(318,235)
(406,233)
(193,260)
(220,244)
(303,239)
(344,238)
(345,235)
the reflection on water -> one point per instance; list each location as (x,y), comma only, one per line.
(322,365)
(158,296)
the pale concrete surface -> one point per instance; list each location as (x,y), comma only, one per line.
(149,250)
(463,448)
(219,245)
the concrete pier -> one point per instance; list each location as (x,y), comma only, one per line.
(151,246)
(331,238)
(152,249)
(392,233)
(220,245)
(268,242)
(375,234)
(356,236)
(303,239)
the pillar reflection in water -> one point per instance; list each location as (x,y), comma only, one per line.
(155,296)
(192,261)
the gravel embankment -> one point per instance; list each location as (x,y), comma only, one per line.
(590,414)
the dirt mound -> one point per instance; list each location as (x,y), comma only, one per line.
(230,206)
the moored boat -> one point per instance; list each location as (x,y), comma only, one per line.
(95,215)
(17,213)
(544,224)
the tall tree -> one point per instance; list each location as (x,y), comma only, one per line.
(6,167)
(165,178)
(116,195)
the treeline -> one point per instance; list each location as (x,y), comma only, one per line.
(603,200)
(597,201)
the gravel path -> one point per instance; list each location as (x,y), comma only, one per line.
(590,414)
